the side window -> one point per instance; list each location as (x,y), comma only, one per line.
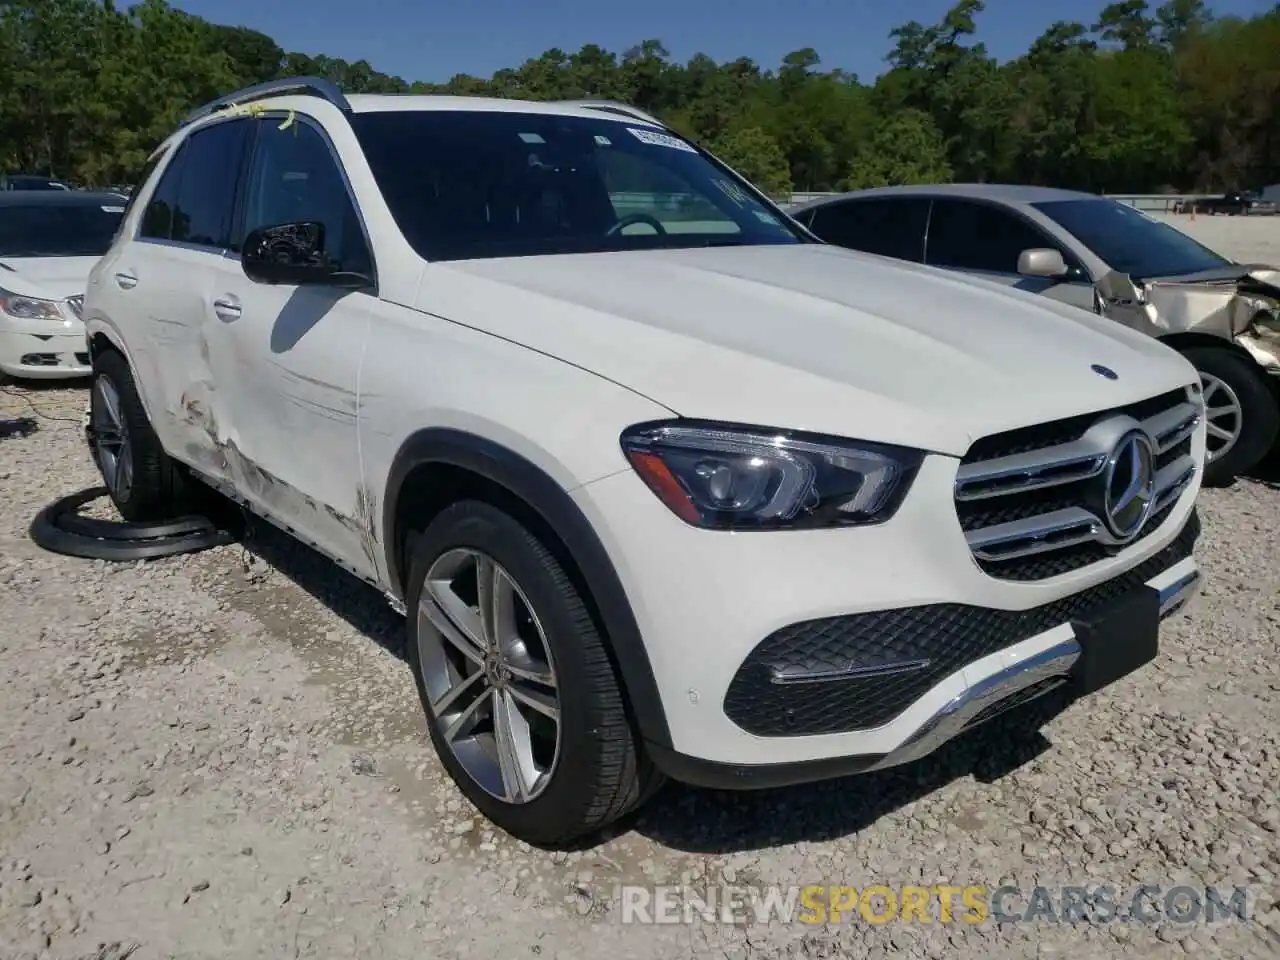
(157,218)
(147,170)
(207,192)
(644,188)
(978,236)
(890,227)
(294,177)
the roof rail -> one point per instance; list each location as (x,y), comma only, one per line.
(316,86)
(613,106)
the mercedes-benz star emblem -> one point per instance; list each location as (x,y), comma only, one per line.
(1130,481)
(1107,372)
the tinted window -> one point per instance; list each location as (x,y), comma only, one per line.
(978,236)
(294,177)
(1130,241)
(644,190)
(147,170)
(58,230)
(206,194)
(157,219)
(889,227)
(466,184)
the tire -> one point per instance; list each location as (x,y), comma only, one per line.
(155,488)
(1258,423)
(55,528)
(598,773)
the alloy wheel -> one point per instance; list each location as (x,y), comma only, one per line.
(109,437)
(1223,415)
(489,675)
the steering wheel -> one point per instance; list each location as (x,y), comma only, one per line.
(631,218)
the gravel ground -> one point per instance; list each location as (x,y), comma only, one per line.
(222,755)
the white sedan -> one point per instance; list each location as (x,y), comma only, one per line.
(49,241)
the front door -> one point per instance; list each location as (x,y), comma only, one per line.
(290,356)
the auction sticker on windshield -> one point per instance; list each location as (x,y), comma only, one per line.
(660,139)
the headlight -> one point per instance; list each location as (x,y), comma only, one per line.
(29,308)
(1267,323)
(726,477)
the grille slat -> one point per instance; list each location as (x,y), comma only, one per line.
(1028,499)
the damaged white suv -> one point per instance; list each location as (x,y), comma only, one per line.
(665,486)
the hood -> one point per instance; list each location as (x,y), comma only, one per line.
(52,278)
(811,337)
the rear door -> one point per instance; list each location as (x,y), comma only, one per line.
(986,239)
(888,226)
(157,282)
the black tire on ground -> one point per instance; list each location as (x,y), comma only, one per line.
(601,774)
(1259,406)
(160,490)
(53,529)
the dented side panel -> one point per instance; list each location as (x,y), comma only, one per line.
(281,419)
(1222,308)
(167,339)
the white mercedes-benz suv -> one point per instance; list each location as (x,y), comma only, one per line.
(665,486)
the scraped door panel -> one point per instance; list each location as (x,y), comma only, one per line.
(288,361)
(287,358)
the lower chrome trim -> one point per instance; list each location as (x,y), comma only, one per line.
(1179,592)
(961,712)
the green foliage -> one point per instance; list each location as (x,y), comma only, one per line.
(906,147)
(758,157)
(1142,95)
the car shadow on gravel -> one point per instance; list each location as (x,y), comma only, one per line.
(708,821)
(720,822)
(18,427)
(359,604)
(1268,471)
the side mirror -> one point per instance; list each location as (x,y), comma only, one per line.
(1041,262)
(294,254)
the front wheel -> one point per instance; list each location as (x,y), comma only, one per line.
(1242,413)
(143,482)
(522,702)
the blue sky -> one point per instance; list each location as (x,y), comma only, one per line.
(432,40)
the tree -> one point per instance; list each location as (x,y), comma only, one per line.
(905,148)
(1148,93)
(757,156)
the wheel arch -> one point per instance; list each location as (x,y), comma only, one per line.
(439,466)
(1186,339)
(102,336)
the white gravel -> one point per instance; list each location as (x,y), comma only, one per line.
(223,756)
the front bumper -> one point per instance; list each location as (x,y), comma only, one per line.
(1010,678)
(704,601)
(44,356)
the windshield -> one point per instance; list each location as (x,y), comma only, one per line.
(58,230)
(1130,241)
(472,184)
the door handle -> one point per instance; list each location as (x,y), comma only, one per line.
(227,308)
(126,281)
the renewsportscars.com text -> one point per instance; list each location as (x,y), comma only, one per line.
(943,904)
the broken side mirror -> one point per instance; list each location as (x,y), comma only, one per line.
(1042,262)
(294,254)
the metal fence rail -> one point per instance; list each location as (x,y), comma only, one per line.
(1156,202)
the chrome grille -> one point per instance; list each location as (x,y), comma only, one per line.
(76,304)
(1032,501)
